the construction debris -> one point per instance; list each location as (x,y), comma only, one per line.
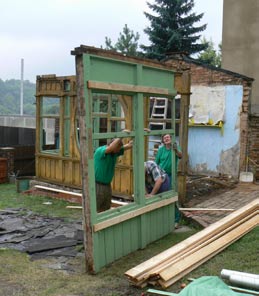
(39,236)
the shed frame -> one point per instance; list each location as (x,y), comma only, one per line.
(112,234)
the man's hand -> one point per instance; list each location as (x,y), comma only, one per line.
(147,130)
(149,195)
(129,145)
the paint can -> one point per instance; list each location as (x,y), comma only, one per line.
(22,183)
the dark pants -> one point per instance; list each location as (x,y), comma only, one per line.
(165,186)
(177,212)
(103,196)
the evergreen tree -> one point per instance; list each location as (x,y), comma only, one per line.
(210,55)
(172,29)
(127,42)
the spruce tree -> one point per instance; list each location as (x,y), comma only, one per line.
(172,29)
(127,42)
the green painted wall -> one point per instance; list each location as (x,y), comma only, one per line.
(120,239)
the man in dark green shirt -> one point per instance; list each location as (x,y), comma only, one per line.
(164,160)
(105,158)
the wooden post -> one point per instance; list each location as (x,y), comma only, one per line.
(185,89)
(84,148)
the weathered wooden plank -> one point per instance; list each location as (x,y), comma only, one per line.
(207,209)
(132,214)
(127,88)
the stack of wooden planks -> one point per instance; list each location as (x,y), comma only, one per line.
(171,265)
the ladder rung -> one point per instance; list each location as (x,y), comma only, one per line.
(159,107)
(160,100)
(157,115)
(157,123)
(155,141)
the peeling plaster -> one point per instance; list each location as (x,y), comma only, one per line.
(229,161)
(212,150)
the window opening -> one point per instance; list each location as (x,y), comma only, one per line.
(66,125)
(50,124)
(108,120)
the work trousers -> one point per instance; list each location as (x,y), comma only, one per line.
(103,196)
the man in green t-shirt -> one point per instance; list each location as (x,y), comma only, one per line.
(164,160)
(105,158)
(164,155)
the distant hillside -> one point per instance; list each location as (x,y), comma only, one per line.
(10,97)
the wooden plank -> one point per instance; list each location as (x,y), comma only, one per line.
(206,209)
(157,292)
(237,289)
(57,190)
(172,260)
(118,203)
(132,214)
(200,256)
(127,88)
(242,290)
(85,136)
(184,88)
(190,251)
(203,235)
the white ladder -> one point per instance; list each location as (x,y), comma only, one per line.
(159,111)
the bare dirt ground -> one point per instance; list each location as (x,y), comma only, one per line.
(199,187)
(223,193)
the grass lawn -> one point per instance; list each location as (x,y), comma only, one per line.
(20,276)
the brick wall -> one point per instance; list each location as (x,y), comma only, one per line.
(253,145)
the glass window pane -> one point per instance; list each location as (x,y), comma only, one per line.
(50,134)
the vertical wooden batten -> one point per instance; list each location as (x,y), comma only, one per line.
(183,86)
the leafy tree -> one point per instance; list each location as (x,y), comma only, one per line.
(173,29)
(127,42)
(210,55)
(10,97)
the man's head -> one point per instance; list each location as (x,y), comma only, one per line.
(166,139)
(115,145)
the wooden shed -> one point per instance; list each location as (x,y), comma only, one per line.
(76,114)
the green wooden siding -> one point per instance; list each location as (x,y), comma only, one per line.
(121,239)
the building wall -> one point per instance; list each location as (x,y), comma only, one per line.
(240,42)
(211,149)
(18,121)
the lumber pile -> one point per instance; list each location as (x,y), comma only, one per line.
(171,265)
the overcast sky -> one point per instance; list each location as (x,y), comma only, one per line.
(43,32)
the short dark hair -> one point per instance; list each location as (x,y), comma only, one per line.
(116,139)
(162,137)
